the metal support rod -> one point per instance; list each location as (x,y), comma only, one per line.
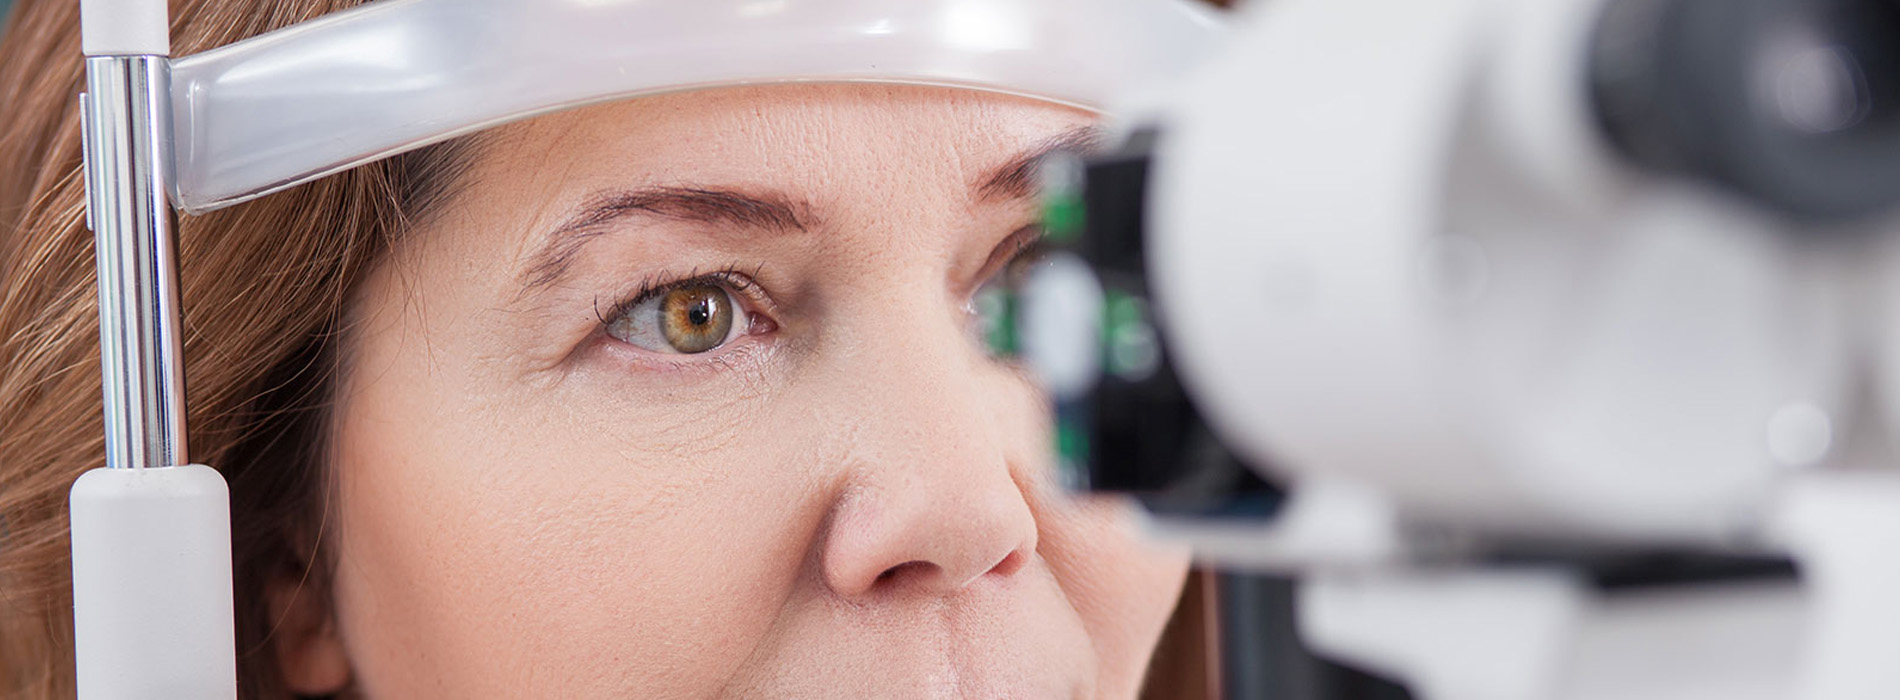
(127,142)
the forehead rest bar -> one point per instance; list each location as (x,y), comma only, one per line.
(284,108)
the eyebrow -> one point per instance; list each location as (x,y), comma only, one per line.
(763,212)
(1016,179)
(767,212)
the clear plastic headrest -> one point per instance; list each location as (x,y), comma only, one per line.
(294,105)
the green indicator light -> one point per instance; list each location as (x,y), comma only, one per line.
(1072,456)
(1070,443)
(996,310)
(1121,311)
(1063,219)
(1061,178)
(1130,347)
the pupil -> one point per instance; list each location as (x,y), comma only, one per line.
(696,319)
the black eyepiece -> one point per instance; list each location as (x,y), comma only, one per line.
(1145,436)
(1793,104)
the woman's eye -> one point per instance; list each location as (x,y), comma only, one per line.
(688,319)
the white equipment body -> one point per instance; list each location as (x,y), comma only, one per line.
(1399,266)
(152,613)
(1527,633)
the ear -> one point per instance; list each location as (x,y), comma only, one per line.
(309,651)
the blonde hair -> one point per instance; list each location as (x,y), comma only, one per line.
(263,287)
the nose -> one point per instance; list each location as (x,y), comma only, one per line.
(935,499)
(939,541)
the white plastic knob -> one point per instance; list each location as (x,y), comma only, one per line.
(124,28)
(152,612)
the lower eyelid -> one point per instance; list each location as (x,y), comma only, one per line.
(746,348)
(754,324)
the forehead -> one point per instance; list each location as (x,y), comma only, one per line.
(802,138)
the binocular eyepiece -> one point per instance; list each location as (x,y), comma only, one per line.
(1091,330)
(1791,104)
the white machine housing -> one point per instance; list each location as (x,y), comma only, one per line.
(1403,274)
(1396,253)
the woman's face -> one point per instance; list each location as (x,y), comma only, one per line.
(682,397)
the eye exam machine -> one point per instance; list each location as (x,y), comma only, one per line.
(151,540)
(1550,347)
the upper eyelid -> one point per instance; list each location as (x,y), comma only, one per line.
(743,284)
(1019,242)
(1025,239)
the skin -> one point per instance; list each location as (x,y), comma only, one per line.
(849,499)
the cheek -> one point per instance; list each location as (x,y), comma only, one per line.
(1122,584)
(631,550)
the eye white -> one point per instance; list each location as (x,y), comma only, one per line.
(642,325)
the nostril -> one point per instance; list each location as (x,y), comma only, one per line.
(909,569)
(916,571)
(1010,564)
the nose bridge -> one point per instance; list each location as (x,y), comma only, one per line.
(932,500)
(913,357)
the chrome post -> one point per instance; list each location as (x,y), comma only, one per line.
(127,112)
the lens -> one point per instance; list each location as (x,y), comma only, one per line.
(1091,331)
(1791,104)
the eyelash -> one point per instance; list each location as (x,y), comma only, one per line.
(743,285)
(741,282)
(737,279)
(1029,244)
